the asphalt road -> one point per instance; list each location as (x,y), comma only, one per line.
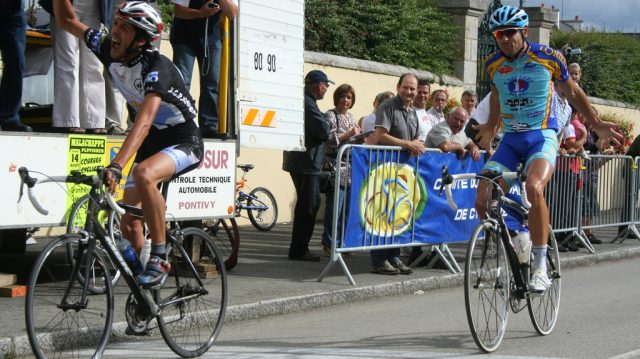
(599,318)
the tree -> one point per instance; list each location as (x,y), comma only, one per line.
(411,33)
(609,61)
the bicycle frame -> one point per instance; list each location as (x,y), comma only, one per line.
(495,215)
(242,199)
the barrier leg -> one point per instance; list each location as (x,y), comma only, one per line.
(453,259)
(332,261)
(440,254)
(631,229)
(419,259)
(582,237)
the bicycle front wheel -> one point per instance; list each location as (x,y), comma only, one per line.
(60,325)
(543,309)
(486,287)
(264,217)
(226,235)
(194,297)
(76,223)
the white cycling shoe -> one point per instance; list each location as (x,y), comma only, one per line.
(539,282)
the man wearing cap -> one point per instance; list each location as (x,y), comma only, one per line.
(305,167)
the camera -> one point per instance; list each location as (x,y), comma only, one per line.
(214,3)
(568,52)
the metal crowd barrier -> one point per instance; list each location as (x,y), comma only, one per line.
(629,183)
(598,192)
(382,239)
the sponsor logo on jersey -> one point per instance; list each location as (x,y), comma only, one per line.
(138,84)
(518,85)
(518,102)
(530,65)
(505,70)
(152,77)
(534,114)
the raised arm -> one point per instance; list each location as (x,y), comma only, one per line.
(66,18)
(605,130)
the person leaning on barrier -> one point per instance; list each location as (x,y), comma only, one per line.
(449,136)
(305,167)
(397,125)
(342,127)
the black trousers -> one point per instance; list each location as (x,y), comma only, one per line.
(304,215)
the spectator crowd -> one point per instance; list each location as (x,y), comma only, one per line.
(92,105)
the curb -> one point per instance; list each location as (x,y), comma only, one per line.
(19,345)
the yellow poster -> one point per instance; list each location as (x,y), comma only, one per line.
(86,153)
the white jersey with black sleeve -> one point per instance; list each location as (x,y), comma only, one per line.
(149,72)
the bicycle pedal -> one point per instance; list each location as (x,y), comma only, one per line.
(137,332)
(534,294)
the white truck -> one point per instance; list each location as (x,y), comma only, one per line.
(265,99)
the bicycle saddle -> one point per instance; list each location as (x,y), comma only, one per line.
(246,168)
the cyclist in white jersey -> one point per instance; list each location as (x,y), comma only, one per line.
(521,76)
(165,138)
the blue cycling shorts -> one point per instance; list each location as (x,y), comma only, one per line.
(523,147)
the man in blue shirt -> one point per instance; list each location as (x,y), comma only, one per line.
(522,75)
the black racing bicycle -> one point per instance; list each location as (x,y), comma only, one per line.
(494,277)
(70,300)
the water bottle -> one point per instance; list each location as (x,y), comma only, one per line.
(145,254)
(524,244)
(130,256)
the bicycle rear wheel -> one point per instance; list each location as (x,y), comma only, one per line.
(63,327)
(486,287)
(226,235)
(193,314)
(76,223)
(265,218)
(543,309)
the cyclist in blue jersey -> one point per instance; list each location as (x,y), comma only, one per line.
(165,138)
(522,75)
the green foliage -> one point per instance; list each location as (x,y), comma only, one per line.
(411,33)
(166,12)
(610,63)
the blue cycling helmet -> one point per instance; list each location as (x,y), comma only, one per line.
(508,16)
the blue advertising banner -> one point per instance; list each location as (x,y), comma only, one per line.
(395,199)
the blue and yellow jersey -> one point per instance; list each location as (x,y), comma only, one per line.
(525,86)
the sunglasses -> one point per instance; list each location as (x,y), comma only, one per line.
(505,32)
(325,83)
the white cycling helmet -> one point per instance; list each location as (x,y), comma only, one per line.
(508,17)
(143,16)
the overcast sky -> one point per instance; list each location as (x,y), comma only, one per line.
(612,15)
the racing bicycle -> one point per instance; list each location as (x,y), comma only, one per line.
(494,278)
(63,313)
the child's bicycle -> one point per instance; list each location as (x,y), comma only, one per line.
(70,300)
(260,203)
(494,277)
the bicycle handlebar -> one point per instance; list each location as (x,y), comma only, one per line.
(448,180)
(74,177)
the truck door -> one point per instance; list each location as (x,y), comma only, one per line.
(270,48)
